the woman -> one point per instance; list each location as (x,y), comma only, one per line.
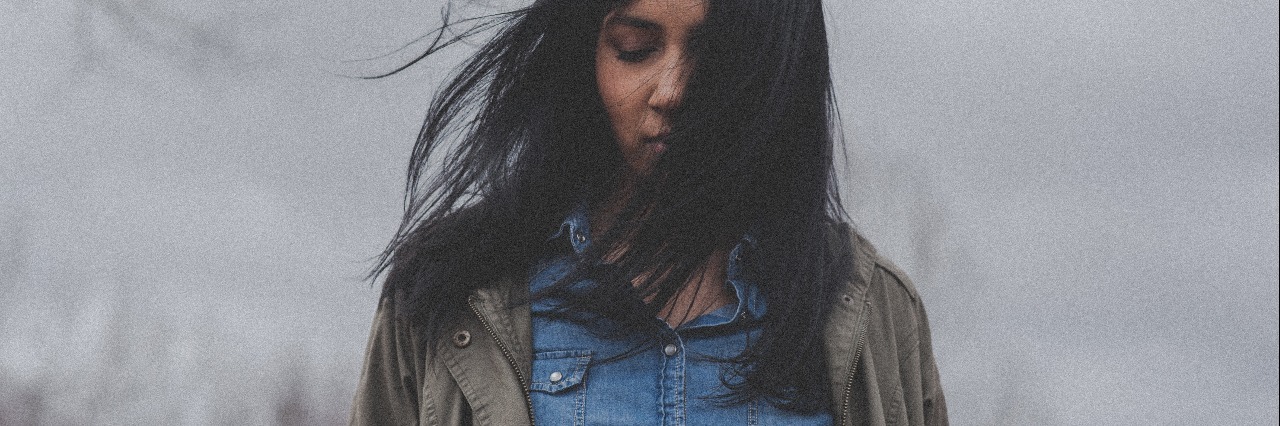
(638,224)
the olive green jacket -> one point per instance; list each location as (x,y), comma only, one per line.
(879,354)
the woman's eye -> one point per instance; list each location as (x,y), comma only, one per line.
(634,55)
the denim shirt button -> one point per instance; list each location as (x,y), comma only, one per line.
(670,350)
(579,238)
(556,376)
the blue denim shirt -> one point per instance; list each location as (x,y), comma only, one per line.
(580,378)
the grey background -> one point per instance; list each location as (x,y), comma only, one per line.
(1084,191)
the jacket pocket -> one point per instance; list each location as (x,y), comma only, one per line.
(558,386)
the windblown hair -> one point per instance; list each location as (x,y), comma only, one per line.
(524,139)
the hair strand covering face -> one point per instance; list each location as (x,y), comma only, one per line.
(523,138)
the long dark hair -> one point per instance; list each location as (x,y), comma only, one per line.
(519,137)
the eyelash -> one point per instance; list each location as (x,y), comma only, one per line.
(634,56)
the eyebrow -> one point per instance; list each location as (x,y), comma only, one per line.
(643,24)
(632,21)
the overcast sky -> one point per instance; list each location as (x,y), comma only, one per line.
(1085,193)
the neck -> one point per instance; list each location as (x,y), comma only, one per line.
(705,290)
(605,215)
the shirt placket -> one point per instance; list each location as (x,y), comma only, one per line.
(673,380)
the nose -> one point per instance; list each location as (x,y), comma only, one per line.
(670,82)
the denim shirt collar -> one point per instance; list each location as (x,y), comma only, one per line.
(578,228)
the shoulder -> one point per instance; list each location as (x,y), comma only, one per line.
(897,361)
(421,248)
(870,270)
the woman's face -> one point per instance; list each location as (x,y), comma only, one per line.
(642,65)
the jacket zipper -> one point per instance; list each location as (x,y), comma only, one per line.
(853,367)
(506,353)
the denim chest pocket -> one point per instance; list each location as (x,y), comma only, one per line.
(558,386)
(554,372)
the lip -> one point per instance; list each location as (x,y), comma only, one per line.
(660,137)
(656,143)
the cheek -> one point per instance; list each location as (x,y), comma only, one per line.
(617,93)
(611,95)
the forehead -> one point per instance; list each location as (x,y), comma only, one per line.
(676,16)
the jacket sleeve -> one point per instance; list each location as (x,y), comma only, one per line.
(934,403)
(387,393)
(906,331)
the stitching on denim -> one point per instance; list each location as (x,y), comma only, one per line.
(580,417)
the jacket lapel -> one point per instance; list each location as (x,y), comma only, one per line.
(490,359)
(845,331)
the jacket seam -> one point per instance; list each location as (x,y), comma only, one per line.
(906,286)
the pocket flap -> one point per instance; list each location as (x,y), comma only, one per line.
(558,370)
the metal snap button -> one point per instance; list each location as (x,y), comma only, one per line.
(579,237)
(462,338)
(556,376)
(670,350)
